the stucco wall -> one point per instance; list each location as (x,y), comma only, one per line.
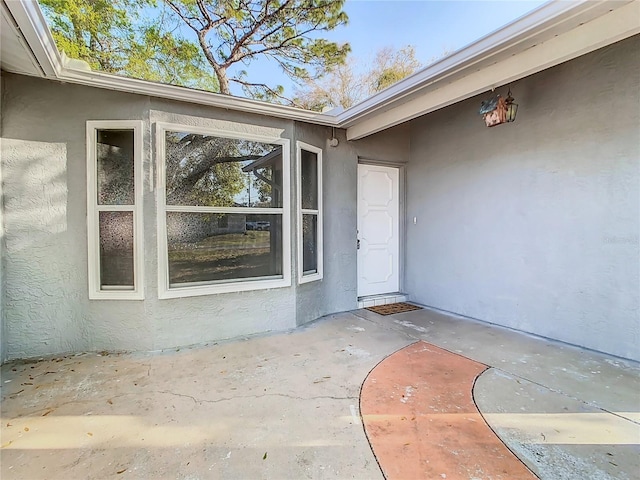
(337,290)
(44,168)
(3,336)
(535,225)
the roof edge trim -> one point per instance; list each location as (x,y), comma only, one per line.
(30,19)
(541,18)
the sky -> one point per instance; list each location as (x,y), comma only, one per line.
(431,27)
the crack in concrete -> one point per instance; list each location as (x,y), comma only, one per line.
(240,397)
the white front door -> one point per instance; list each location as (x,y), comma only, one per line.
(378,230)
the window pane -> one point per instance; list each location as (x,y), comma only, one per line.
(203,170)
(309,243)
(116,249)
(202,248)
(114,152)
(309,180)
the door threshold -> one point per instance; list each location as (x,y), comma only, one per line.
(383,299)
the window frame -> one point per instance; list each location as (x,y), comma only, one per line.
(227,286)
(96,292)
(319,273)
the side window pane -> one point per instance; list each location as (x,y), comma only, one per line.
(115,158)
(309,243)
(205,170)
(204,248)
(309,173)
(116,249)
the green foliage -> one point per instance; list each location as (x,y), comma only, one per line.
(205,170)
(391,66)
(347,84)
(199,171)
(239,31)
(144,39)
(114,36)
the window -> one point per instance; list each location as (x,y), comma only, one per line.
(223,214)
(114,209)
(309,213)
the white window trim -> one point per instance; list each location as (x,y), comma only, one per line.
(96,292)
(164,289)
(309,277)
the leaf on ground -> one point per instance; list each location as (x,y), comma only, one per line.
(264,457)
(47,412)
(110,402)
(90,434)
(121,471)
(7,444)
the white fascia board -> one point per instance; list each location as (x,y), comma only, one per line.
(32,25)
(609,28)
(199,97)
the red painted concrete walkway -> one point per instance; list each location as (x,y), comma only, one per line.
(422,422)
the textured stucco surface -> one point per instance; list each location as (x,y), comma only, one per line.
(3,336)
(337,289)
(535,225)
(44,169)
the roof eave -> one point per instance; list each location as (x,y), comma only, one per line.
(29,18)
(403,101)
(544,18)
(583,30)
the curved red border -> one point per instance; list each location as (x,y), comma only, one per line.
(422,423)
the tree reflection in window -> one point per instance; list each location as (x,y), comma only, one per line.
(204,170)
(218,191)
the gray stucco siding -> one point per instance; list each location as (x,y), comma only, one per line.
(46,305)
(535,225)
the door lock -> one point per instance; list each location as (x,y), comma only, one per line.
(358,244)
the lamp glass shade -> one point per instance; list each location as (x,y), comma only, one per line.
(512,109)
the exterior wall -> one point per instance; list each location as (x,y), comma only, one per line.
(534,225)
(3,336)
(47,309)
(337,290)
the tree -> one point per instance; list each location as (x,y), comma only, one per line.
(344,86)
(111,36)
(232,32)
(214,171)
(390,66)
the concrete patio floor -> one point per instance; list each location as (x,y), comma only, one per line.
(287,405)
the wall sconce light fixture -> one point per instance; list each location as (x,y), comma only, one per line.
(497,110)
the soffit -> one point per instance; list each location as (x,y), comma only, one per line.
(509,54)
(15,54)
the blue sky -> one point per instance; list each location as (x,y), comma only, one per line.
(432,27)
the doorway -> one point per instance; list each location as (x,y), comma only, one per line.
(378,230)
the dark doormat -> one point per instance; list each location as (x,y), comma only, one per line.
(392,308)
